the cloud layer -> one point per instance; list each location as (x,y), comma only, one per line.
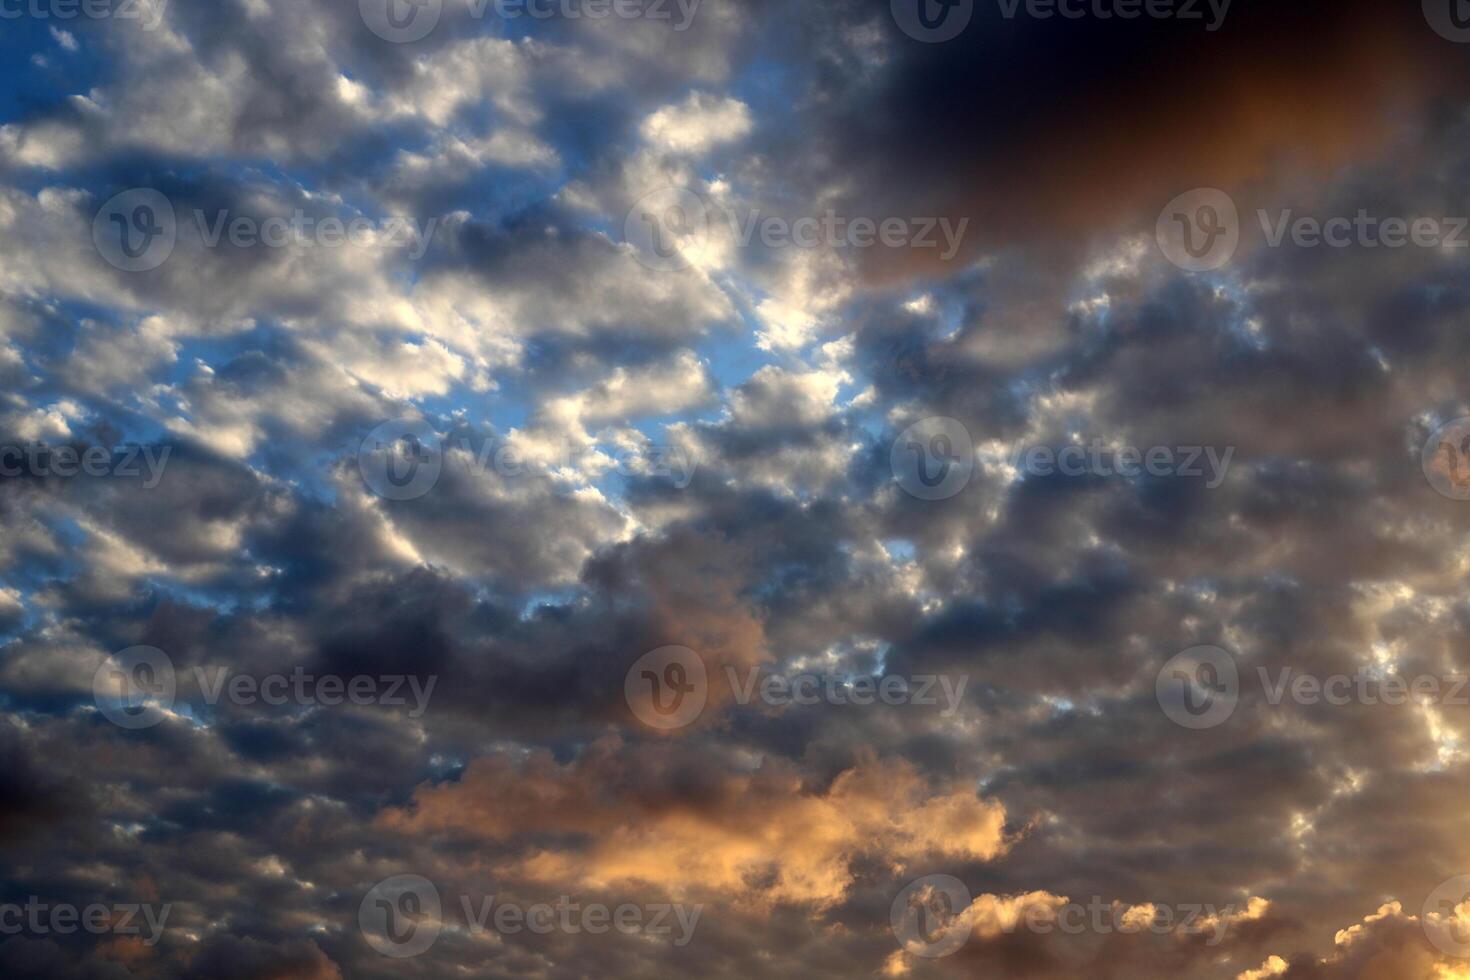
(644,417)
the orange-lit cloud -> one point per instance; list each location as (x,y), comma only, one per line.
(757,836)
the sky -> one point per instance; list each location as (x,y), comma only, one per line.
(734,488)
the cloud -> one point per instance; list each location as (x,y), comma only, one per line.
(525,320)
(698,123)
(758,836)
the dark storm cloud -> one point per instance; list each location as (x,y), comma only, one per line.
(1049,131)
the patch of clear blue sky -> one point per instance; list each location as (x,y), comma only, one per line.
(28,88)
